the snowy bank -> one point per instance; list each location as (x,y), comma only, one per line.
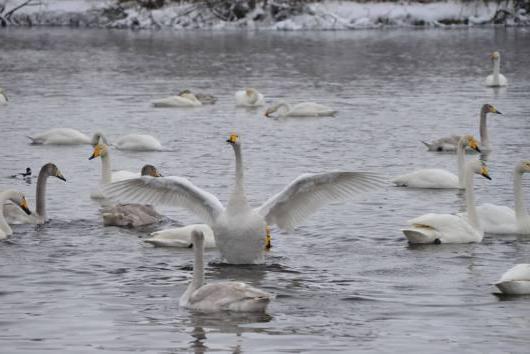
(324,15)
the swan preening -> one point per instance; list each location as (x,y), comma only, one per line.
(496,79)
(516,281)
(181,236)
(230,296)
(17,198)
(438,178)
(132,215)
(304,109)
(14,214)
(449,144)
(449,228)
(183,99)
(502,219)
(3,97)
(60,136)
(239,229)
(249,97)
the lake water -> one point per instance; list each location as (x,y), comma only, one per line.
(345,280)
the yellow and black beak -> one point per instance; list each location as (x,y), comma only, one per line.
(232,139)
(96,152)
(60,176)
(484,172)
(24,206)
(268,238)
(473,144)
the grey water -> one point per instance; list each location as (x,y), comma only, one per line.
(345,280)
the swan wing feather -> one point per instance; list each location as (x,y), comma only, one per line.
(450,228)
(307,193)
(519,272)
(224,294)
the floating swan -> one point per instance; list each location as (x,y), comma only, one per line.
(515,281)
(249,97)
(238,228)
(14,214)
(17,198)
(222,296)
(3,97)
(181,236)
(132,215)
(138,142)
(496,79)
(502,219)
(438,178)
(203,97)
(183,99)
(60,136)
(448,228)
(450,143)
(304,109)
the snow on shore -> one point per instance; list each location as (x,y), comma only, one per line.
(326,15)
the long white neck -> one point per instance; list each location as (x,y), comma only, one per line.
(496,70)
(198,270)
(461,160)
(4,196)
(484,140)
(106,173)
(520,207)
(238,199)
(470,198)
(41,192)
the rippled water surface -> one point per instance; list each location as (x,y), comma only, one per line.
(345,280)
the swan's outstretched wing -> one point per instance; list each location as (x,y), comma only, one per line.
(307,193)
(174,191)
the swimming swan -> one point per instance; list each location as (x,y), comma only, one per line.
(183,99)
(132,215)
(222,296)
(496,79)
(181,236)
(17,198)
(448,228)
(450,143)
(304,109)
(14,214)
(249,97)
(60,136)
(238,228)
(502,219)
(3,97)
(138,142)
(515,281)
(438,178)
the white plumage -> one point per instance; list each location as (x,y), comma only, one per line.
(516,281)
(249,97)
(138,142)
(303,109)
(3,97)
(181,236)
(496,79)
(183,99)
(60,136)
(18,199)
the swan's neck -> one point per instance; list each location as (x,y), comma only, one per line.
(106,173)
(470,199)
(520,207)
(461,167)
(283,108)
(41,193)
(4,226)
(238,199)
(484,140)
(496,70)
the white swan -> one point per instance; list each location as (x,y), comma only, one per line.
(438,178)
(249,97)
(14,215)
(448,228)
(181,236)
(60,136)
(3,97)
(183,99)
(222,296)
(107,176)
(496,79)
(17,198)
(450,143)
(304,109)
(502,219)
(515,281)
(238,228)
(138,142)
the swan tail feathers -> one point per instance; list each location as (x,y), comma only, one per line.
(34,141)
(429,146)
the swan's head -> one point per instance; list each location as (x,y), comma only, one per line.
(489,108)
(99,150)
(98,138)
(470,141)
(150,170)
(184,92)
(19,199)
(495,55)
(52,170)
(233,139)
(271,110)
(250,91)
(524,167)
(480,168)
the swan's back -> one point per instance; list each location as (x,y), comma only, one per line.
(516,281)
(60,136)
(181,236)
(311,109)
(446,228)
(490,81)
(130,215)
(242,99)
(428,178)
(138,142)
(498,219)
(176,101)
(230,296)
